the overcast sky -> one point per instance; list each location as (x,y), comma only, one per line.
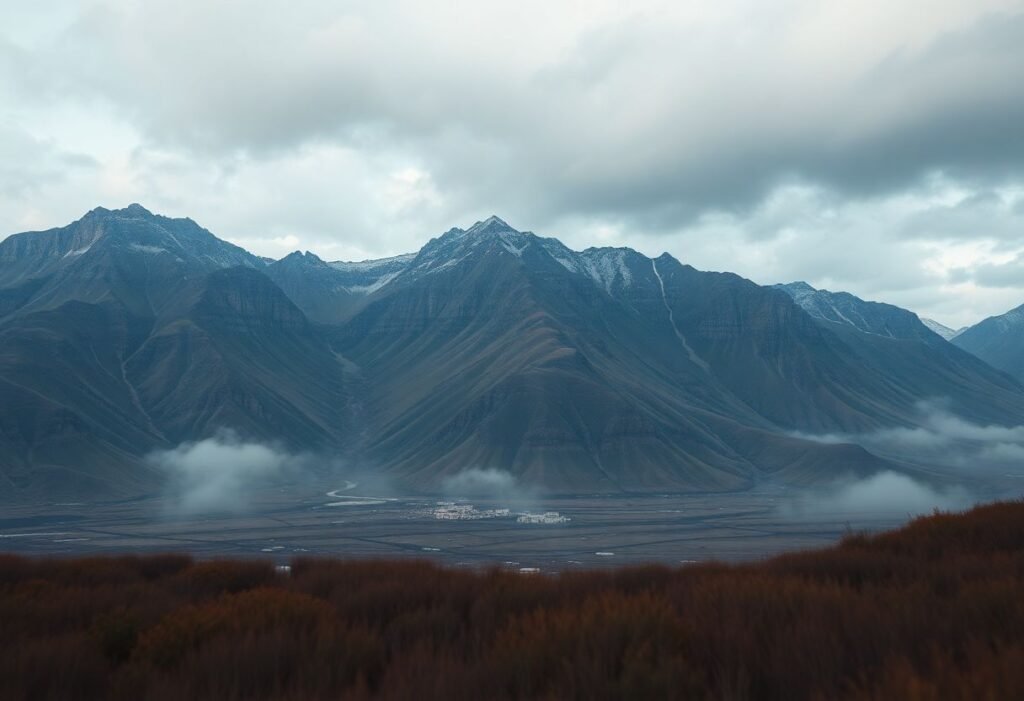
(871,146)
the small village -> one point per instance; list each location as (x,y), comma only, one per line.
(459,511)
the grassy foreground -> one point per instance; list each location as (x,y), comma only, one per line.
(934,610)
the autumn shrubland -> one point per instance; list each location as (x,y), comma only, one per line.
(934,610)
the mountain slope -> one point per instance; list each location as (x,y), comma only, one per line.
(318,289)
(120,349)
(917,364)
(496,348)
(941,329)
(129,256)
(330,293)
(999,341)
(595,371)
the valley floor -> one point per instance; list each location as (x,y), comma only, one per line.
(353,522)
(934,610)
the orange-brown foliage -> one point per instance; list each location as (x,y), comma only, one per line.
(932,611)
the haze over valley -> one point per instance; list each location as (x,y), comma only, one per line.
(509,253)
(150,365)
(512,350)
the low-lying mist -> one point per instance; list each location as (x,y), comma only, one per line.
(942,438)
(488,483)
(222,473)
(883,494)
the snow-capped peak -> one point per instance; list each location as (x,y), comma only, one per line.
(608,266)
(941,329)
(492,224)
(1011,319)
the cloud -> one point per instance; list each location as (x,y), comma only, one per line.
(31,164)
(221,473)
(786,141)
(884,494)
(490,483)
(1008,274)
(641,124)
(941,438)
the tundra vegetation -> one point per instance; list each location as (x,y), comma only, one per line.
(934,610)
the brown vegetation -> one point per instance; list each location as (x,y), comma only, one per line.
(932,611)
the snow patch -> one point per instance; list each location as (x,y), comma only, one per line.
(1011,319)
(78,251)
(941,329)
(694,358)
(155,249)
(373,286)
(364,265)
(606,267)
(510,241)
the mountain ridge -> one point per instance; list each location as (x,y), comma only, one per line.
(594,370)
(998,340)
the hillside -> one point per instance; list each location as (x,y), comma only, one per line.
(127,332)
(999,341)
(594,371)
(931,611)
(914,358)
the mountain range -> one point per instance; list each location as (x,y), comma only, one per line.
(597,371)
(998,340)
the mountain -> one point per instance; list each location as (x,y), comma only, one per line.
(329,293)
(913,360)
(126,255)
(999,341)
(314,286)
(125,332)
(844,309)
(500,348)
(941,329)
(601,370)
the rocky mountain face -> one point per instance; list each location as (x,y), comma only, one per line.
(941,329)
(999,341)
(844,309)
(601,370)
(126,332)
(913,360)
(330,293)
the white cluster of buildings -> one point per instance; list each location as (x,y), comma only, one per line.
(461,511)
(546,518)
(451,511)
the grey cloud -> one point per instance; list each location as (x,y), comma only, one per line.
(647,118)
(222,473)
(1005,453)
(884,494)
(942,438)
(476,480)
(688,141)
(29,163)
(1010,274)
(953,108)
(984,214)
(958,276)
(490,483)
(658,125)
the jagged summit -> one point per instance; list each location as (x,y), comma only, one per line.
(596,370)
(998,340)
(800,285)
(135,208)
(491,225)
(304,256)
(940,328)
(370,263)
